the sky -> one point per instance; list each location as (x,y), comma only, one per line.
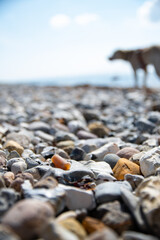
(56,38)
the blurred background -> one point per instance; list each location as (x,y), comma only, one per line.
(67,42)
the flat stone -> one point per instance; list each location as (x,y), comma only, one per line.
(77,198)
(150,161)
(127,152)
(124,166)
(76,125)
(110,191)
(31,217)
(12,145)
(38,125)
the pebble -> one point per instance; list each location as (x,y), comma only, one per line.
(150,162)
(110,189)
(124,166)
(127,152)
(31,217)
(111,159)
(99,153)
(11,145)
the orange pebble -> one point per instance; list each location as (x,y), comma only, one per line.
(60,162)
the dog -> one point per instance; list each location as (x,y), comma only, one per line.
(139,59)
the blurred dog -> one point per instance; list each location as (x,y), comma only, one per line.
(139,59)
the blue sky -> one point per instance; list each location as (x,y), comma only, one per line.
(50,38)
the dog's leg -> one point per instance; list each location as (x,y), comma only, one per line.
(145,79)
(135,78)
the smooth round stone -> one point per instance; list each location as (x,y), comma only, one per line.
(31,217)
(65,144)
(13,154)
(76,125)
(12,145)
(127,152)
(77,154)
(22,139)
(64,136)
(18,167)
(111,159)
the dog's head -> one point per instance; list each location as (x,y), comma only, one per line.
(116,55)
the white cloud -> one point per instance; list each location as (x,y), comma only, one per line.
(85,19)
(149,12)
(60,21)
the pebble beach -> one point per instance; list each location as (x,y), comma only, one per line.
(79,163)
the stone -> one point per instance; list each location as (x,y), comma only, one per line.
(114,215)
(92,224)
(2,159)
(55,196)
(2,182)
(127,152)
(53,230)
(48,183)
(41,126)
(31,216)
(149,193)
(72,225)
(144,125)
(81,134)
(78,198)
(76,125)
(132,235)
(8,197)
(101,170)
(99,154)
(44,136)
(60,162)
(111,159)
(98,129)
(13,154)
(8,178)
(104,234)
(150,162)
(134,180)
(124,166)
(77,154)
(7,234)
(65,144)
(64,136)
(32,163)
(19,180)
(11,145)
(21,139)
(18,167)
(110,191)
